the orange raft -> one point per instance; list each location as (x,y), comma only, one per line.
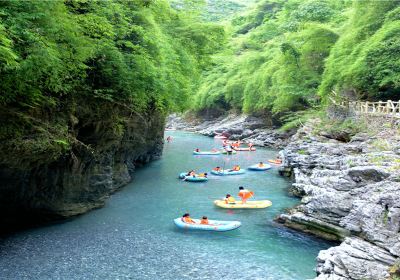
(275,161)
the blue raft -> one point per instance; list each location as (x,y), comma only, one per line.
(256,167)
(191,178)
(207,153)
(227,172)
(214,225)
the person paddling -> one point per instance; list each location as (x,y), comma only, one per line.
(235,168)
(245,194)
(218,169)
(169,139)
(186,218)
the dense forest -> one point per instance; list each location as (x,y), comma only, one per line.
(290,56)
(64,62)
(280,57)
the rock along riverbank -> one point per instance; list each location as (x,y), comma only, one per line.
(350,191)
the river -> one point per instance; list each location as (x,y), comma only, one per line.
(133,236)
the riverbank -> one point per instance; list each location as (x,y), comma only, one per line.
(349,185)
(350,193)
(248,129)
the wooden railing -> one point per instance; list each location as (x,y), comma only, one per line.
(381,108)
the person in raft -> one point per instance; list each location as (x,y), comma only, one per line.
(250,145)
(245,194)
(169,139)
(261,164)
(218,169)
(197,150)
(229,199)
(203,175)
(228,149)
(235,168)
(186,219)
(191,173)
(204,221)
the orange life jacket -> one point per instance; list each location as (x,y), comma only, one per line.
(188,220)
(245,194)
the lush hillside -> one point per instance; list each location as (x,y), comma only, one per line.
(56,56)
(283,56)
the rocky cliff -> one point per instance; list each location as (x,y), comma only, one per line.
(350,192)
(47,175)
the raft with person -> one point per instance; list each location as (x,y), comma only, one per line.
(202,177)
(206,153)
(259,167)
(214,225)
(222,172)
(256,204)
(229,152)
(275,161)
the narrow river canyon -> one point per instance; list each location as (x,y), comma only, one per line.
(133,236)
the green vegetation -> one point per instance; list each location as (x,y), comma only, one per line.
(139,52)
(287,57)
(60,59)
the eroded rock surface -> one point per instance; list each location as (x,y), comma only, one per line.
(350,192)
(37,188)
(249,129)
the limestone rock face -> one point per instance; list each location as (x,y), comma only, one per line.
(350,192)
(100,161)
(354,259)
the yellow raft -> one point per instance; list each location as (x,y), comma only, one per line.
(256,204)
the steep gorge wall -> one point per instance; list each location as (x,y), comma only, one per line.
(104,144)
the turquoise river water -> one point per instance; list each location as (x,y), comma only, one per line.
(133,236)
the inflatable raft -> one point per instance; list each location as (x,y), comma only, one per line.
(207,153)
(274,161)
(214,225)
(256,167)
(256,204)
(232,152)
(227,172)
(196,178)
(252,149)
